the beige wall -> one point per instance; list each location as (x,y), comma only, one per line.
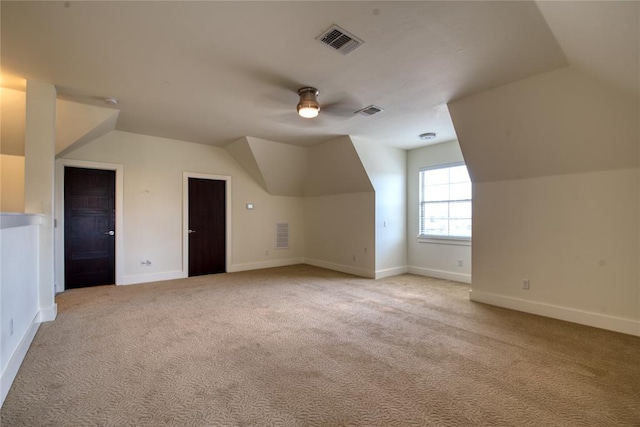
(11,183)
(339,210)
(573,236)
(387,170)
(427,258)
(339,232)
(39,149)
(13,113)
(554,160)
(153,228)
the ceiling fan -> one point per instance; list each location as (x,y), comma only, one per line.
(308,107)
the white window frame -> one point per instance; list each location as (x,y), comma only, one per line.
(428,238)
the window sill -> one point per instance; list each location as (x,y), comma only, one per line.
(445,240)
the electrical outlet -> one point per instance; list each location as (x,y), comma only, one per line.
(460,263)
(145,263)
(525,284)
(266,253)
(365,250)
(354,257)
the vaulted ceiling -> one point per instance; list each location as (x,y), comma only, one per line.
(212,72)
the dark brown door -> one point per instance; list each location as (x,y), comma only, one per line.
(207,226)
(89,227)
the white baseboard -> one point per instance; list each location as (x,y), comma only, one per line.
(153,277)
(356,271)
(15,361)
(264,264)
(388,272)
(48,314)
(440,274)
(603,321)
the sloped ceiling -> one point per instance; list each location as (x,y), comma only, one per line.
(560,122)
(80,123)
(212,72)
(599,38)
(240,150)
(76,123)
(335,168)
(332,167)
(279,168)
(581,118)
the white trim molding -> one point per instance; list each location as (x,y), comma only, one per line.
(16,359)
(135,279)
(389,272)
(48,314)
(440,274)
(234,268)
(356,271)
(59,215)
(185,216)
(598,320)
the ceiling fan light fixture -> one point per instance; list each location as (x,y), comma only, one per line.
(308,107)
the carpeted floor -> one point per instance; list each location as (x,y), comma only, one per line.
(306,346)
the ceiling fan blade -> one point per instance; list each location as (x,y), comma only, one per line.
(338,110)
(344,108)
(279,101)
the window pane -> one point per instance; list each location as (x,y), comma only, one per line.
(436,227)
(445,202)
(460,191)
(436,210)
(460,227)
(460,210)
(459,174)
(436,176)
(436,192)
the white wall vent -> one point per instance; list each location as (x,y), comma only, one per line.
(369,111)
(282,235)
(339,40)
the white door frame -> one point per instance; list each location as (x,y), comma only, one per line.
(185,217)
(59,216)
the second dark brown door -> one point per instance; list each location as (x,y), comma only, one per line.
(207,226)
(89,227)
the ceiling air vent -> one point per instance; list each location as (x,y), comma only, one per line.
(339,40)
(369,111)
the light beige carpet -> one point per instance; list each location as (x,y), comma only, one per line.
(306,346)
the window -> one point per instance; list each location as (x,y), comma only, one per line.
(445,202)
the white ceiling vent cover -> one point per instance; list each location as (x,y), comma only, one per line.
(282,235)
(339,40)
(369,111)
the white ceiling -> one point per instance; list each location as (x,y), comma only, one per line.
(211,72)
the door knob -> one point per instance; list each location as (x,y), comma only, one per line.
(192,231)
(109,233)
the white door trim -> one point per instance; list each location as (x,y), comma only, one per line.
(59,216)
(185,217)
